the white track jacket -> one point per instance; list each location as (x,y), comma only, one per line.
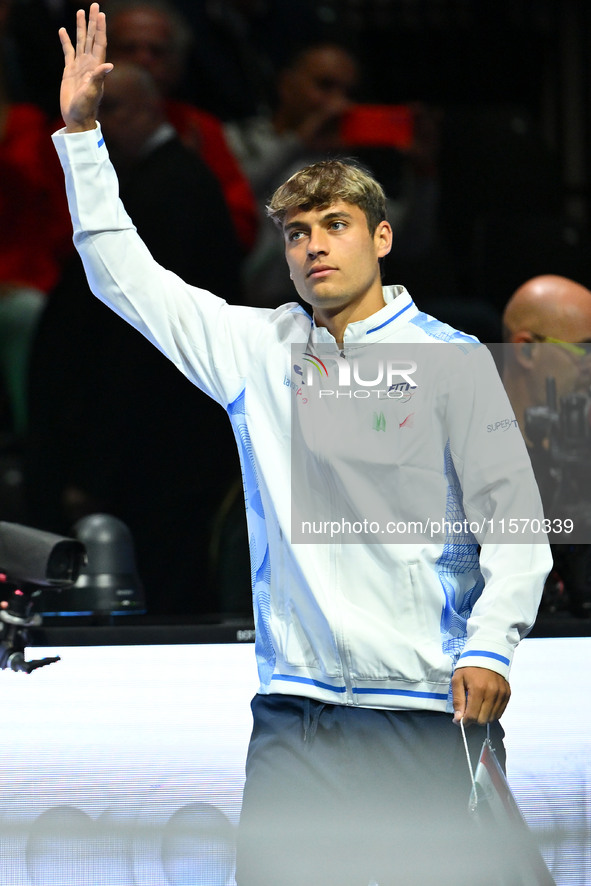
(378,499)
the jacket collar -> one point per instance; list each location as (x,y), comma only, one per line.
(398,309)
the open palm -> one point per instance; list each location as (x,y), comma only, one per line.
(85,70)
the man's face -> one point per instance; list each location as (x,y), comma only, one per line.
(570,370)
(128,113)
(143,37)
(567,356)
(333,257)
(324,77)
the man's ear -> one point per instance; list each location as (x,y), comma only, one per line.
(524,344)
(383,238)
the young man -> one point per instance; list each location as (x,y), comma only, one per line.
(366,644)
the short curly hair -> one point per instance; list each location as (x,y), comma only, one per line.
(329,181)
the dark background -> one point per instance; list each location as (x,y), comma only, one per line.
(513,80)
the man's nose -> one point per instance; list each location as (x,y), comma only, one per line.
(318,242)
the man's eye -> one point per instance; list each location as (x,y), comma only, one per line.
(338,225)
(295,235)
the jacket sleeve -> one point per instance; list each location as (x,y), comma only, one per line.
(502,502)
(206,338)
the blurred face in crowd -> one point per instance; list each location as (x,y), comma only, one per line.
(566,360)
(145,37)
(549,321)
(321,77)
(130,111)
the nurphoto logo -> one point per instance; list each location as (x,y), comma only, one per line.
(358,378)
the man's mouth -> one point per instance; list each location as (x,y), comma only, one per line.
(320,271)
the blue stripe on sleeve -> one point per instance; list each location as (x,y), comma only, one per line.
(482,654)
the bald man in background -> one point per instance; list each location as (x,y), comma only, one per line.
(548,321)
(549,299)
(546,310)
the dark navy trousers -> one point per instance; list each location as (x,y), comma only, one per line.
(344,796)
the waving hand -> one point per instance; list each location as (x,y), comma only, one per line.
(85,70)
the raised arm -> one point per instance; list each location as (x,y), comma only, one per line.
(84,71)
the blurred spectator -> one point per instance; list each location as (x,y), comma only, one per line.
(238,47)
(547,327)
(313,92)
(115,427)
(312,119)
(35,230)
(543,320)
(152,34)
(36,233)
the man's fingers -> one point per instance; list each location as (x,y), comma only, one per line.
(85,69)
(499,704)
(458,696)
(479,695)
(93,14)
(476,709)
(80,31)
(101,72)
(495,698)
(100,36)
(91,38)
(67,47)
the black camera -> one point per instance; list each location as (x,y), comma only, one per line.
(41,559)
(29,560)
